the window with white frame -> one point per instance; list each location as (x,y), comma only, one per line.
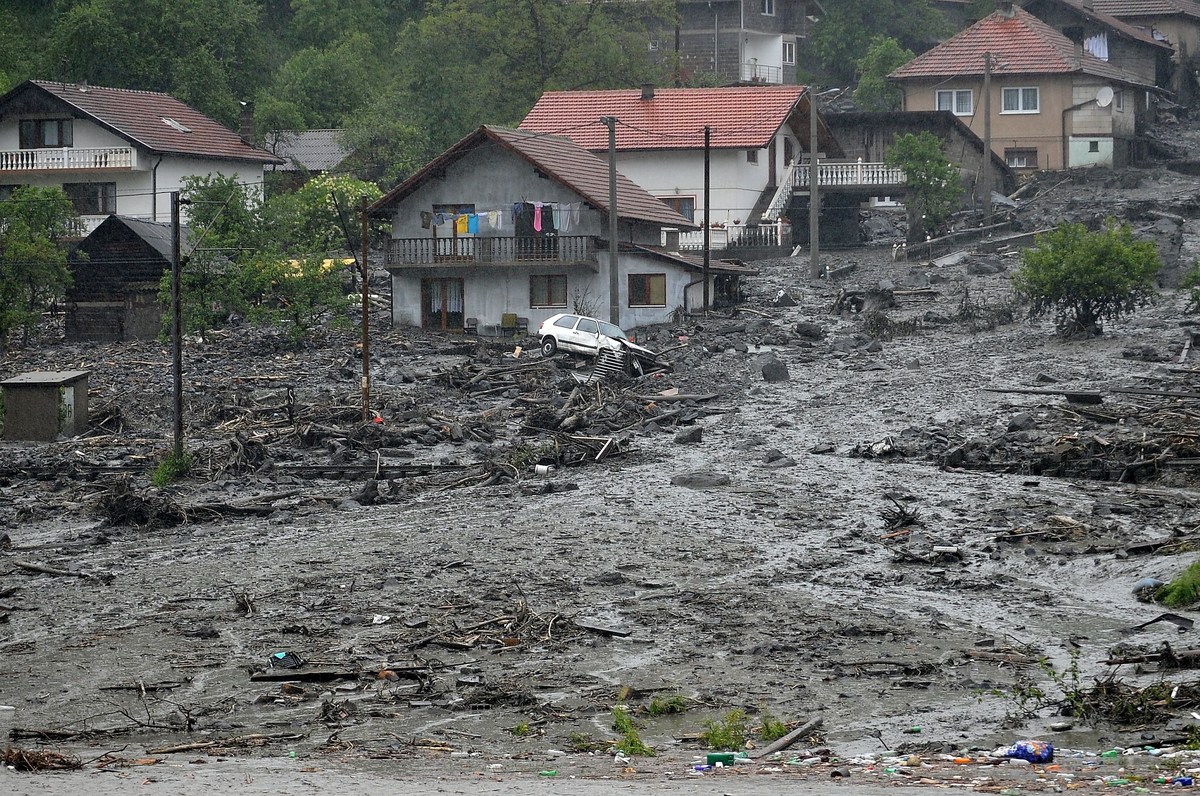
(1119,100)
(960,102)
(768,7)
(1021,158)
(1023,99)
(789,52)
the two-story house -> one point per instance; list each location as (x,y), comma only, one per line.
(1052,103)
(749,41)
(754,134)
(115,150)
(508,227)
(1175,22)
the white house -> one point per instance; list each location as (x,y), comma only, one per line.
(754,132)
(506,228)
(115,150)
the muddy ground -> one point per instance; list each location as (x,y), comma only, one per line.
(882,540)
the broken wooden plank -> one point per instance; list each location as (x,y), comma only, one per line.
(306,675)
(1155,393)
(1074,396)
(603,630)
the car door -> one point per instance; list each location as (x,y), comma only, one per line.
(587,335)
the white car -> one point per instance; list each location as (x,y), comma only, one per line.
(580,334)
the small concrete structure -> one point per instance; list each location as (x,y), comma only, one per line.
(43,404)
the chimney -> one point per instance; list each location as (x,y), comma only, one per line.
(246,122)
(1005,7)
(671,236)
(82,86)
(647,91)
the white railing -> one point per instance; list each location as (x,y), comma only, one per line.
(783,195)
(727,234)
(66,158)
(835,175)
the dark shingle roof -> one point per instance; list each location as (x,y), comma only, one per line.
(308,150)
(153,120)
(561,160)
(1148,8)
(1121,28)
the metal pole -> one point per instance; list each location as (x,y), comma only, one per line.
(707,233)
(814,199)
(985,173)
(614,283)
(176,328)
(366,318)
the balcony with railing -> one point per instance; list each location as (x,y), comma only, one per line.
(754,72)
(67,158)
(856,175)
(561,249)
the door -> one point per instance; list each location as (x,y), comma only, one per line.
(442,303)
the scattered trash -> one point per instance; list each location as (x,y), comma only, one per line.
(1031,751)
(286,660)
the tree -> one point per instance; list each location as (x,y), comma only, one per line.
(33,261)
(846,30)
(1084,277)
(875,92)
(934,184)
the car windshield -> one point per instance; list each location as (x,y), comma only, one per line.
(608,330)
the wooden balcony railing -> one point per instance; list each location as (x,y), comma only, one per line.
(66,158)
(465,251)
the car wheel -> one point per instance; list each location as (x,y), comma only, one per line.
(549,346)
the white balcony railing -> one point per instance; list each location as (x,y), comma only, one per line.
(849,175)
(66,158)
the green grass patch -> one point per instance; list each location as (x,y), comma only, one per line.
(728,734)
(630,742)
(1183,590)
(522,730)
(664,705)
(171,469)
(584,742)
(772,728)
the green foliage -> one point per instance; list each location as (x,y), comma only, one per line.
(772,728)
(583,742)
(521,730)
(934,184)
(298,294)
(630,742)
(322,216)
(1084,277)
(33,261)
(1183,591)
(848,28)
(663,705)
(728,734)
(1191,283)
(171,469)
(875,92)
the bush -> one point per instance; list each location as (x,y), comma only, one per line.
(1084,277)
(1191,283)
(934,184)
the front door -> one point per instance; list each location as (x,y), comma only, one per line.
(442,303)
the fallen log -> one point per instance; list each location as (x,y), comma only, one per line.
(790,738)
(1074,396)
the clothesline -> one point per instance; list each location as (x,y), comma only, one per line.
(560,216)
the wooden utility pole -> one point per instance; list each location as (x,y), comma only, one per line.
(814,199)
(614,283)
(366,316)
(707,193)
(176,328)
(985,170)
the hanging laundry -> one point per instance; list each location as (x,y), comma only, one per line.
(460,225)
(495,219)
(537,216)
(473,224)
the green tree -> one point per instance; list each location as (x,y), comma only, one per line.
(321,218)
(934,184)
(297,294)
(847,28)
(874,91)
(33,260)
(320,87)
(1085,277)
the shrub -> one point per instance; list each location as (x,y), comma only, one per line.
(1182,591)
(728,734)
(934,184)
(171,469)
(630,742)
(1191,283)
(1084,277)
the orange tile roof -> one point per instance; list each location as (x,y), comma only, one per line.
(1145,8)
(1020,44)
(138,116)
(561,160)
(741,117)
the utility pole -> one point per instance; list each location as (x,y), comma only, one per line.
(985,171)
(707,253)
(614,284)
(814,199)
(176,329)
(366,319)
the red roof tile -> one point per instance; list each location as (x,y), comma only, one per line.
(1020,44)
(1147,8)
(741,117)
(139,116)
(560,159)
(1097,15)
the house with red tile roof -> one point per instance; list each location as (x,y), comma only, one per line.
(1051,104)
(755,132)
(1110,39)
(1175,22)
(115,150)
(509,227)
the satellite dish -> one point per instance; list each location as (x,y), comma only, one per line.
(1104,96)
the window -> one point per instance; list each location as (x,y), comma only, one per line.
(548,291)
(92,198)
(768,7)
(1093,146)
(588,326)
(960,102)
(647,290)
(789,52)
(45,133)
(683,205)
(751,155)
(1019,100)
(1119,100)
(1021,158)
